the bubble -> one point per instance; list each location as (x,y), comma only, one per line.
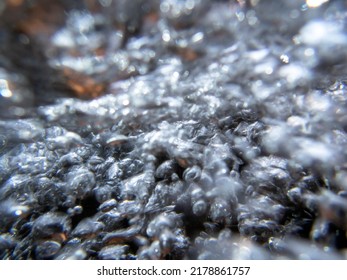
(220,211)
(192,174)
(166,169)
(295,194)
(295,74)
(137,186)
(51,223)
(112,219)
(121,235)
(108,205)
(77,210)
(7,242)
(87,227)
(297,248)
(131,167)
(63,141)
(70,159)
(22,130)
(80,182)
(12,211)
(161,222)
(130,208)
(50,192)
(167,240)
(200,207)
(196,192)
(322,36)
(332,207)
(153,252)
(47,249)
(72,254)
(115,252)
(114,172)
(95,160)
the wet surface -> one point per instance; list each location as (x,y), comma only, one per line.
(173,129)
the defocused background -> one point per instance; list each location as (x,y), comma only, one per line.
(173,129)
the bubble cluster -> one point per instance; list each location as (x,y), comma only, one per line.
(169,129)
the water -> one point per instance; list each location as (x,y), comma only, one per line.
(173,130)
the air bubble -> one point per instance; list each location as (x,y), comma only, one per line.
(47,249)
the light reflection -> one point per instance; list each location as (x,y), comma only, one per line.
(175,77)
(309,52)
(315,3)
(269,70)
(4,89)
(190,4)
(284,58)
(18,212)
(166,36)
(197,37)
